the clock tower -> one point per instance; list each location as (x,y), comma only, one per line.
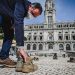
(50,13)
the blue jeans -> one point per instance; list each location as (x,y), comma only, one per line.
(8,31)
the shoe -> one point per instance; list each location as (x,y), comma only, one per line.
(19,65)
(8,63)
(29,67)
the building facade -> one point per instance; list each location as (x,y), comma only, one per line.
(50,36)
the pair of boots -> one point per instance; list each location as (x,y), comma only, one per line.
(25,67)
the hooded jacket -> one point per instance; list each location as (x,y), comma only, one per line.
(16,10)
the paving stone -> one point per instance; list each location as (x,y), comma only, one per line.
(46,66)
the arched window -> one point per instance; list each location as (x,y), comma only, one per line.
(68,47)
(61,47)
(50,37)
(28,47)
(74,47)
(34,46)
(40,47)
(50,46)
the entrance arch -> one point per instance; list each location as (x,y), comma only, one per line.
(34,46)
(40,47)
(61,47)
(68,47)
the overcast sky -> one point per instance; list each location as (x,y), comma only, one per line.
(65,11)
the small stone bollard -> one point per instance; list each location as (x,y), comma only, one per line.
(71,59)
(63,56)
(36,58)
(55,56)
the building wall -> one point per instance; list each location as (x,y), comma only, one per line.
(50,36)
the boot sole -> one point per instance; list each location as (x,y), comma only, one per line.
(28,71)
(10,66)
(18,70)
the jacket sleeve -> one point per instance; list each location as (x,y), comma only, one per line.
(19,24)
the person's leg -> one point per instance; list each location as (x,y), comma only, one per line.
(8,37)
(0,20)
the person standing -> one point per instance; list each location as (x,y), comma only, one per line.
(12,13)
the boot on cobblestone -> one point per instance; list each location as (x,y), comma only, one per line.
(29,67)
(8,63)
(19,65)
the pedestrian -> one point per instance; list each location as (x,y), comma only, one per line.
(12,13)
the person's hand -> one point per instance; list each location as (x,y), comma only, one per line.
(21,52)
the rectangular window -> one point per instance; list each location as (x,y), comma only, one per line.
(41,37)
(29,38)
(67,38)
(35,38)
(73,37)
(50,20)
(60,37)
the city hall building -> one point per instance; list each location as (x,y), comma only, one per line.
(50,36)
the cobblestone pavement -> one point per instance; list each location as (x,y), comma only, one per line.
(46,66)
